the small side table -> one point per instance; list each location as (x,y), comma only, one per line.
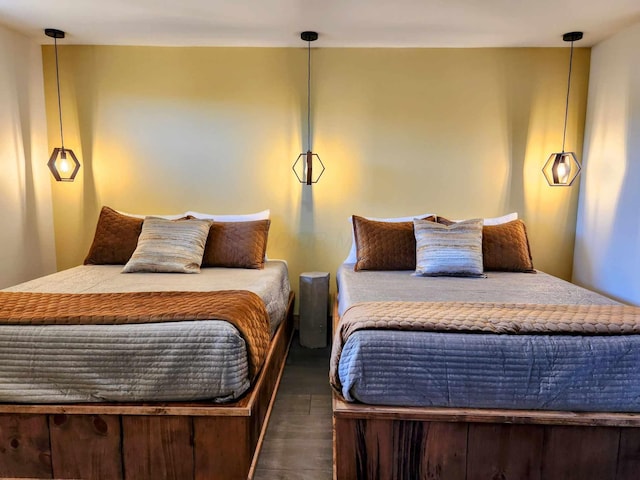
(314,309)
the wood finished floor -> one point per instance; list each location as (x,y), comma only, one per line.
(298,441)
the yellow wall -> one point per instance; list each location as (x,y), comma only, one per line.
(458,132)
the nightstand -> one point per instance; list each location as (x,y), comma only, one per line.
(314,306)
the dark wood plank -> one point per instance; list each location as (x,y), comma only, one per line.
(157,447)
(346,461)
(375,449)
(629,454)
(86,446)
(445,451)
(399,450)
(24,446)
(505,452)
(222,447)
(580,453)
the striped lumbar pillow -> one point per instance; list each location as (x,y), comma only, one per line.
(454,250)
(171,246)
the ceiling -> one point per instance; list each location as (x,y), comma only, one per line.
(340,23)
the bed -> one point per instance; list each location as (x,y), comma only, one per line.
(463,405)
(166,398)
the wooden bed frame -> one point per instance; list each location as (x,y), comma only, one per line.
(182,441)
(379,442)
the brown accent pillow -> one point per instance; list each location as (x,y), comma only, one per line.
(443,221)
(384,245)
(505,247)
(115,239)
(236,244)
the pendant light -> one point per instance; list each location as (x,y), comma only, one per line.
(308,167)
(63,163)
(561,169)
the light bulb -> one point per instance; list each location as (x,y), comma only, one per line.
(64,163)
(563,170)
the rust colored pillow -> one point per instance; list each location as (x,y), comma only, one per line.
(236,244)
(115,239)
(443,221)
(384,245)
(505,247)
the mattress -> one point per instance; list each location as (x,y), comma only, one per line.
(183,361)
(437,369)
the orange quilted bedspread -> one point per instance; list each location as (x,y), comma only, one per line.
(244,309)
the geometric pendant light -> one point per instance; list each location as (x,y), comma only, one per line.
(63,163)
(308,167)
(561,169)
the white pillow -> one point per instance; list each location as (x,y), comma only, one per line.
(263,215)
(353,255)
(166,217)
(509,217)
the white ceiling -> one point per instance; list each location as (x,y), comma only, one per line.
(340,23)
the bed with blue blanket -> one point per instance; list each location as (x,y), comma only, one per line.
(466,403)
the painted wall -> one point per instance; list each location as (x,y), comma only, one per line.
(607,253)
(459,132)
(27,245)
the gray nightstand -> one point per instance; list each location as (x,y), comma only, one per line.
(314,306)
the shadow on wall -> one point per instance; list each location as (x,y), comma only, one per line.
(34,243)
(622,266)
(608,235)
(517,130)
(86,111)
(25,195)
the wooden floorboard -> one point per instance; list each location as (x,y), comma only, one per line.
(298,441)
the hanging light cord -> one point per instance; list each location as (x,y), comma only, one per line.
(55,43)
(566,107)
(309,96)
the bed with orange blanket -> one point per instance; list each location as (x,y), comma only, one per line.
(152,375)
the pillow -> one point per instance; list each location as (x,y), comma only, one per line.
(506,247)
(236,244)
(115,239)
(172,246)
(176,216)
(485,221)
(250,217)
(451,250)
(384,245)
(500,220)
(353,257)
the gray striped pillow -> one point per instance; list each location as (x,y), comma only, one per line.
(454,250)
(172,246)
